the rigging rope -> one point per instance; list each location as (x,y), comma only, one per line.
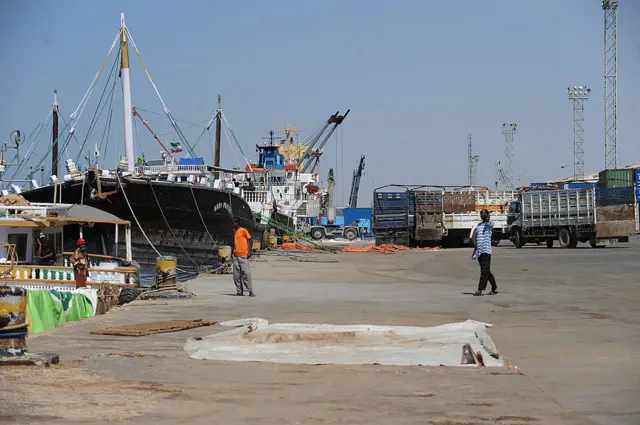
(34,143)
(134,216)
(200,214)
(169,226)
(94,82)
(183,139)
(96,114)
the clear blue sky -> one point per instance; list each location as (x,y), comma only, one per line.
(417,75)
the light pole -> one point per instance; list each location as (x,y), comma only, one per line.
(509,130)
(578,95)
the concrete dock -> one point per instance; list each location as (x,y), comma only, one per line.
(569,319)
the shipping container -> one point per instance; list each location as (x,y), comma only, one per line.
(622,177)
(637,173)
(615,196)
(579,185)
(353,214)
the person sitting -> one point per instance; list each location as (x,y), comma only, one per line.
(45,255)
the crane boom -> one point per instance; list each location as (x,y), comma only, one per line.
(155,136)
(312,153)
(355,183)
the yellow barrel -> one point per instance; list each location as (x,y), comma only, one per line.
(224,253)
(256,245)
(166,270)
(13,321)
(273,241)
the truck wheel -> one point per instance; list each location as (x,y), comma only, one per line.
(564,238)
(317,234)
(518,240)
(549,243)
(495,242)
(574,242)
(350,233)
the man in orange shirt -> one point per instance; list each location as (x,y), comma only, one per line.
(241,255)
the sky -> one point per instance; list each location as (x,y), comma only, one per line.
(418,77)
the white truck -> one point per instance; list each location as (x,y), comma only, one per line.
(462,214)
(569,216)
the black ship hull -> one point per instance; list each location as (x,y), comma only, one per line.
(187,210)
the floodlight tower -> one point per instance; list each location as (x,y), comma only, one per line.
(509,130)
(472,162)
(578,95)
(610,8)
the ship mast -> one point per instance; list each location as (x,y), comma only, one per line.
(216,159)
(126,94)
(54,135)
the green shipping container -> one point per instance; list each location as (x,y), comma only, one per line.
(616,178)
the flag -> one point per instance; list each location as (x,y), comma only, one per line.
(175,147)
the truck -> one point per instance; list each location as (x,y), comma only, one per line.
(462,214)
(410,217)
(570,216)
(360,226)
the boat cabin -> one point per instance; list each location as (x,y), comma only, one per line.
(30,232)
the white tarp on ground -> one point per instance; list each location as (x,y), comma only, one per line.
(257,340)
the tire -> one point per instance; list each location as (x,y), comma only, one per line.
(474,238)
(317,234)
(549,243)
(518,240)
(127,295)
(495,242)
(350,233)
(574,242)
(564,238)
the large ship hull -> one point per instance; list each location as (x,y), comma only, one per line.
(187,209)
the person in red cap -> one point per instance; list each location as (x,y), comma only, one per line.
(80,264)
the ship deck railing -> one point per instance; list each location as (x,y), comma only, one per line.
(166,169)
(43,277)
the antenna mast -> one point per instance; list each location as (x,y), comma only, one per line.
(610,8)
(472,162)
(578,95)
(509,130)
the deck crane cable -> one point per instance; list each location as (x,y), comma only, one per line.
(190,123)
(181,135)
(134,216)
(169,226)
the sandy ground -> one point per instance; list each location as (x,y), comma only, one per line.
(567,318)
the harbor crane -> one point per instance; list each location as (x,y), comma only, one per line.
(312,154)
(355,183)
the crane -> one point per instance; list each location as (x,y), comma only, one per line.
(312,154)
(355,184)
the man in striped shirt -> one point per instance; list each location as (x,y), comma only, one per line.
(483,252)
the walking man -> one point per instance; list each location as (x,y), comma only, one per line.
(241,255)
(483,252)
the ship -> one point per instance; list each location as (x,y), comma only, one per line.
(174,205)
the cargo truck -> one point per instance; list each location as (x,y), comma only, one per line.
(568,216)
(462,214)
(410,217)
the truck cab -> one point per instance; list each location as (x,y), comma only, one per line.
(514,215)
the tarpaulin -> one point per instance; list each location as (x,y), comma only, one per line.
(257,340)
(48,308)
